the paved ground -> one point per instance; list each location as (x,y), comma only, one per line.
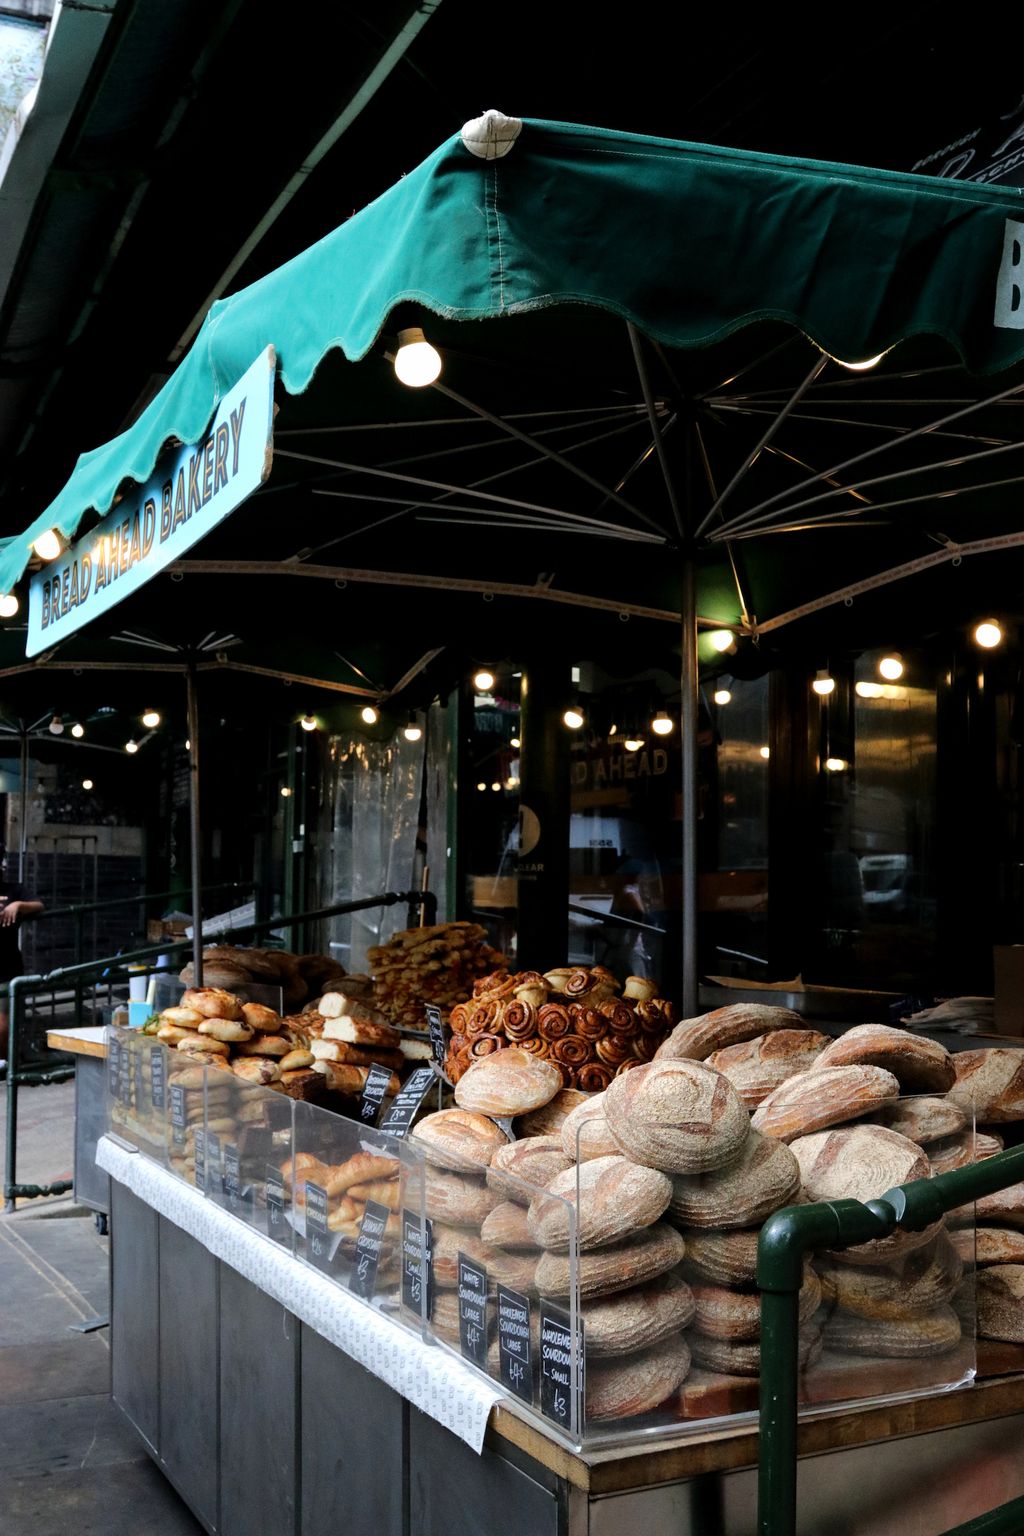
(46,1134)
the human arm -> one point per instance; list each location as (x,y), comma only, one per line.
(19,912)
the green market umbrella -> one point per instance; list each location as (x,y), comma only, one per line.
(649,381)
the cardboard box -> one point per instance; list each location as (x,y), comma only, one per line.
(1008,967)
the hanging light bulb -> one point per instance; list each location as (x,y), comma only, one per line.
(369,715)
(633,743)
(721,640)
(308,722)
(483,681)
(48,545)
(722,696)
(766,752)
(891,668)
(573,717)
(87,783)
(496,786)
(78,730)
(514,741)
(8,605)
(286,793)
(823,684)
(417,363)
(662,724)
(131,747)
(188,745)
(868,690)
(481,787)
(836,764)
(56,726)
(412,730)
(151,719)
(988,634)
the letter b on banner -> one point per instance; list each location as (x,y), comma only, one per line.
(1009,314)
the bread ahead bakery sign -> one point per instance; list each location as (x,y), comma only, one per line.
(191,493)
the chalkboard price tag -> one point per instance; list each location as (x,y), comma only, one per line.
(179,1119)
(233,1179)
(514,1357)
(318,1238)
(140,1081)
(113,1065)
(373,1093)
(126,1074)
(556,1375)
(472,1311)
(214,1167)
(372,1228)
(157,1079)
(398,1116)
(435,1024)
(416,1266)
(276,1226)
(199,1141)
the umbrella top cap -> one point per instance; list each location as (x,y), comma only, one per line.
(491,136)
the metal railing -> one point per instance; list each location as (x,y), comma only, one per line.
(100,973)
(144,900)
(786,1238)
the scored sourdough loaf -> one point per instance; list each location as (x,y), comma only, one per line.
(633,1320)
(756,1067)
(935,1332)
(921,1120)
(458,1139)
(508,1083)
(696,1039)
(520,1168)
(741,1357)
(721,1258)
(1000,1293)
(506,1227)
(585,1132)
(1005,1207)
(457,1198)
(821,1098)
(861,1162)
(990,1084)
(765,1176)
(678,1116)
(721,1313)
(918,1283)
(958,1151)
(989,1245)
(513,1269)
(612,1197)
(639,1383)
(641,1257)
(919,1065)
(549,1119)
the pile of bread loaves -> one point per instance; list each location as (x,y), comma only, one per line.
(573,1016)
(300,977)
(436,964)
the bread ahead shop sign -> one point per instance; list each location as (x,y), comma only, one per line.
(191,493)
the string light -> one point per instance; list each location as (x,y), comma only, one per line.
(56,726)
(78,730)
(483,681)
(633,743)
(308,722)
(721,640)
(131,747)
(369,715)
(869,362)
(868,690)
(891,668)
(766,753)
(151,719)
(87,783)
(823,684)
(722,696)
(286,793)
(48,545)
(481,787)
(8,605)
(573,717)
(988,634)
(662,724)
(413,730)
(514,742)
(188,745)
(836,764)
(417,363)
(496,787)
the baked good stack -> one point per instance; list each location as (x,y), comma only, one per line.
(583,1020)
(437,964)
(349,1184)
(300,977)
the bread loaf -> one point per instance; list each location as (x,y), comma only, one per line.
(519,1168)
(228,1030)
(458,1139)
(517,1270)
(1005,1207)
(721,1258)
(958,1151)
(721,1313)
(919,1283)
(361,1031)
(696,1039)
(457,1198)
(823,1097)
(585,1131)
(636,1385)
(765,1176)
(907,1338)
(756,1067)
(919,1065)
(990,1084)
(506,1083)
(506,1227)
(861,1162)
(1000,1293)
(256,1069)
(356,1055)
(678,1116)
(921,1120)
(611,1196)
(212,1003)
(641,1257)
(740,1357)
(988,1245)
(264,1020)
(633,1320)
(266,1045)
(549,1119)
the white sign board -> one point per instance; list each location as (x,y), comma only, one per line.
(191,493)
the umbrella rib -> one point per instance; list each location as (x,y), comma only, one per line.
(540,515)
(888,506)
(749,367)
(860,380)
(358,671)
(631,417)
(444,421)
(709,476)
(856,421)
(629,536)
(765,439)
(655,426)
(413,672)
(286,677)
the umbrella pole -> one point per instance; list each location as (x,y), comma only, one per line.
(196,826)
(689,702)
(23,828)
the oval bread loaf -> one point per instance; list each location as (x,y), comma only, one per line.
(918,1283)
(585,1131)
(721,1313)
(905,1338)
(458,1139)
(740,1357)
(919,1065)
(990,1084)
(507,1083)
(922,1120)
(861,1162)
(612,1197)
(696,1039)
(679,1116)
(520,1168)
(512,1269)
(603,1271)
(212,1002)
(989,1245)
(757,1067)
(506,1227)
(765,1176)
(638,1384)
(635,1319)
(457,1198)
(1000,1294)
(549,1119)
(821,1098)
(721,1258)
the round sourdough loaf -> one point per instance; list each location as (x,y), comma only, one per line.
(918,1283)
(612,1198)
(506,1083)
(990,1084)
(549,1119)
(1000,1293)
(696,1039)
(720,1313)
(457,1198)
(516,1270)
(954,1152)
(764,1177)
(860,1162)
(506,1227)
(988,1245)
(907,1338)
(519,1168)
(738,1357)
(1005,1207)
(638,1384)
(679,1116)
(821,1098)
(756,1067)
(603,1271)
(458,1139)
(920,1065)
(922,1120)
(721,1258)
(636,1319)
(585,1132)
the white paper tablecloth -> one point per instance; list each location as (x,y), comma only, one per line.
(429,1377)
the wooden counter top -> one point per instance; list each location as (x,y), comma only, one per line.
(90,1040)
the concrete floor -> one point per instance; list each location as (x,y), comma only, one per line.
(68,1462)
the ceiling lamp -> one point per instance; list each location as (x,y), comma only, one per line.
(722,696)
(412,731)
(721,640)
(48,545)
(78,730)
(369,715)
(308,722)
(131,747)
(891,668)
(483,681)
(514,741)
(988,634)
(662,724)
(417,363)
(573,717)
(496,787)
(823,684)
(56,726)
(151,719)
(8,605)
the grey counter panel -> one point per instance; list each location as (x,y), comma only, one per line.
(134,1301)
(189,1396)
(92,1185)
(453,1489)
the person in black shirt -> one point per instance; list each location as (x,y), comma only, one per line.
(15,909)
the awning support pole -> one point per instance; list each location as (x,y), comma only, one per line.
(23,828)
(195,825)
(689,682)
